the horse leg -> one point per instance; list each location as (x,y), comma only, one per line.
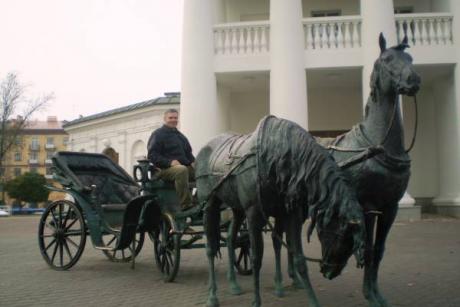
(234,227)
(368,259)
(385,221)
(277,235)
(294,235)
(296,282)
(255,225)
(212,230)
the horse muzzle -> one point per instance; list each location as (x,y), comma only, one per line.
(330,271)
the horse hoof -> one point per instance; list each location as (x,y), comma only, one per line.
(279,292)
(236,290)
(212,302)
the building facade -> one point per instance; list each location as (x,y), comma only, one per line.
(34,148)
(310,61)
(123,133)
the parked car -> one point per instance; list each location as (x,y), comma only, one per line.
(4,211)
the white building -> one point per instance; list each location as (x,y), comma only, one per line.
(310,61)
(121,133)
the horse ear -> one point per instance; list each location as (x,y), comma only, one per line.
(405,41)
(382,43)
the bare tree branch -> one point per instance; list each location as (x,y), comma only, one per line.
(13,101)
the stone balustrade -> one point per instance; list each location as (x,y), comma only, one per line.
(242,38)
(425,29)
(332,32)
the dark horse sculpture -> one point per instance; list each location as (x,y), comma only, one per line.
(279,171)
(380,182)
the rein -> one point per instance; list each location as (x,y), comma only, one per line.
(270,226)
(380,145)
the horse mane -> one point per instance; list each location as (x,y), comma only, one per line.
(303,173)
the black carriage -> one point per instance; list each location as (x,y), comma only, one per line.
(116,211)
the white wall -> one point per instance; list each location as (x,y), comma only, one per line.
(346,7)
(247,109)
(123,132)
(243,10)
(333,108)
(420,6)
(424,181)
(447,115)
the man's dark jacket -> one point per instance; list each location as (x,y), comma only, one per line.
(167,144)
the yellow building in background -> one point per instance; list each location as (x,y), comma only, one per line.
(34,148)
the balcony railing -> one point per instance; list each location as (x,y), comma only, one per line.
(325,33)
(48,161)
(425,29)
(33,161)
(332,32)
(242,38)
(50,146)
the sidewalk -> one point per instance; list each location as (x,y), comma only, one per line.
(421,268)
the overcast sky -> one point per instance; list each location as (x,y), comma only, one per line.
(95,55)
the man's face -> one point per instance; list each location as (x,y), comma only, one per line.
(171,119)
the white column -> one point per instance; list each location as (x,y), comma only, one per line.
(288,85)
(448,112)
(377,17)
(200,114)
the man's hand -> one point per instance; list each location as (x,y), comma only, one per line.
(175,162)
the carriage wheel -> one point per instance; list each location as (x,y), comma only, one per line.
(62,234)
(123,255)
(166,248)
(243,251)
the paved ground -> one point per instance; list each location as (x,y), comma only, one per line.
(421,268)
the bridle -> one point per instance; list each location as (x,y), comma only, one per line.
(393,115)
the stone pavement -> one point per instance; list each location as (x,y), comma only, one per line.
(421,268)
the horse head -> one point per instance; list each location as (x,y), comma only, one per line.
(340,238)
(393,70)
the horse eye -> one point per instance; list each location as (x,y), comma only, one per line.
(388,58)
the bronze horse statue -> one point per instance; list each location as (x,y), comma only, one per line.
(380,182)
(280,171)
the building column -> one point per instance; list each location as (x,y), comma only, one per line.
(448,109)
(200,113)
(288,85)
(377,17)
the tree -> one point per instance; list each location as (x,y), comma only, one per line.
(29,187)
(15,102)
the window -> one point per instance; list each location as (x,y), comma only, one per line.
(2,171)
(328,13)
(18,141)
(50,140)
(49,171)
(65,140)
(17,156)
(404,10)
(49,155)
(33,170)
(35,143)
(17,171)
(34,155)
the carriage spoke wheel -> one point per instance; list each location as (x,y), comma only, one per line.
(123,255)
(166,248)
(62,234)
(243,252)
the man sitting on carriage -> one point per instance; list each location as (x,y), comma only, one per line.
(170,151)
